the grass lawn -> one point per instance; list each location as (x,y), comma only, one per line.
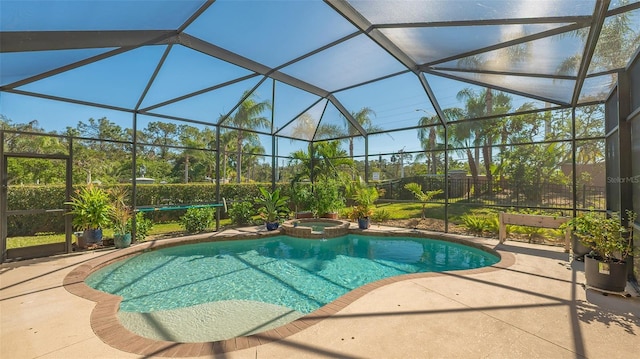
(433,210)
(396,211)
(159,229)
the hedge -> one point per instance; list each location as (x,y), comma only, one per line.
(52,196)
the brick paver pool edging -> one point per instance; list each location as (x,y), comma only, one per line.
(107,327)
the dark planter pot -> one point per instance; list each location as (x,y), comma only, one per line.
(364,223)
(81,242)
(92,236)
(272,226)
(304,214)
(610,276)
(122,240)
(578,249)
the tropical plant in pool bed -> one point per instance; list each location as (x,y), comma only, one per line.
(364,197)
(197,219)
(611,244)
(475,224)
(121,214)
(273,207)
(303,199)
(421,196)
(241,212)
(143,227)
(327,198)
(380,216)
(91,208)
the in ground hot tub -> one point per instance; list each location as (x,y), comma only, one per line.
(316,228)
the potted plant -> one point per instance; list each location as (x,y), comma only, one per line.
(273,207)
(364,197)
(327,199)
(611,244)
(121,214)
(91,210)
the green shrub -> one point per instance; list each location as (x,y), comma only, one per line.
(143,227)
(197,219)
(241,212)
(492,225)
(380,215)
(474,224)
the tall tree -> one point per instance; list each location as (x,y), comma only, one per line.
(429,132)
(362,117)
(162,134)
(249,115)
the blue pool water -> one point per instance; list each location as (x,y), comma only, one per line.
(300,274)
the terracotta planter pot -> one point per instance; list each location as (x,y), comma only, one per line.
(304,214)
(610,276)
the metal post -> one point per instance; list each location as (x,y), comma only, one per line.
(217,177)
(3,201)
(274,162)
(624,151)
(134,165)
(366,158)
(274,140)
(446,179)
(68,225)
(574,187)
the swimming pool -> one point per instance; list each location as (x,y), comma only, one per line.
(292,276)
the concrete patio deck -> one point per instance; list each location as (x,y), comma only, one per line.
(534,308)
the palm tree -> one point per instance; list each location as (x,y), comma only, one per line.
(363,118)
(248,116)
(429,132)
(482,134)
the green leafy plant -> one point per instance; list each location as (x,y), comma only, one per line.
(608,239)
(302,196)
(273,206)
(197,219)
(241,212)
(380,216)
(364,197)
(91,208)
(421,196)
(474,223)
(327,198)
(143,227)
(530,232)
(492,224)
(121,212)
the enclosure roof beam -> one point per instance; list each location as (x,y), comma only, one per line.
(25,41)
(599,15)
(505,44)
(347,115)
(228,56)
(163,37)
(360,22)
(432,98)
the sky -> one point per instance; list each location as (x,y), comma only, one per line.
(268,32)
